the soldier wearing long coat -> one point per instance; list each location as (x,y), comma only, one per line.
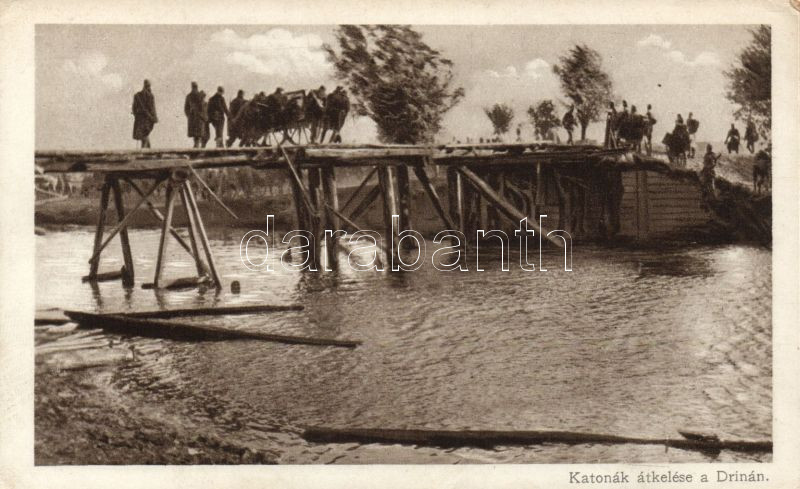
(217,113)
(234,129)
(144,114)
(193,108)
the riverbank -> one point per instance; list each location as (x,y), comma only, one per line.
(83,210)
(81,419)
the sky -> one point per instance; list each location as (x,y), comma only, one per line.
(86,75)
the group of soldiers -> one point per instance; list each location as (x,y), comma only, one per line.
(629,127)
(247,120)
(750,136)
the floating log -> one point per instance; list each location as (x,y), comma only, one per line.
(179,283)
(157,328)
(489,439)
(53,317)
(211,311)
(105,276)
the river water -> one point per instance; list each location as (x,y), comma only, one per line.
(631,342)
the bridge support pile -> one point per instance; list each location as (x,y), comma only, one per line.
(488,187)
(177,185)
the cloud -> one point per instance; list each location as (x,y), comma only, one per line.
(92,68)
(705,58)
(655,40)
(532,69)
(276,52)
(508,72)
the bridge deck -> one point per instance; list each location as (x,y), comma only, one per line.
(311,156)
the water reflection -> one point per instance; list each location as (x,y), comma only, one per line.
(675,264)
(638,343)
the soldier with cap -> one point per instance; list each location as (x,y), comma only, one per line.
(144,114)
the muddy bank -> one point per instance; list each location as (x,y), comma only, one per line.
(79,420)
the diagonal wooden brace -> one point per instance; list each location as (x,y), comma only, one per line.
(123,224)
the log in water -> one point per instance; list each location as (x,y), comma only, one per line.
(489,438)
(212,311)
(158,328)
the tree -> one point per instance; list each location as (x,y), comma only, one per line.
(501,116)
(543,117)
(398,81)
(750,81)
(584,82)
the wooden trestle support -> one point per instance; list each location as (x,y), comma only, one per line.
(488,186)
(178,185)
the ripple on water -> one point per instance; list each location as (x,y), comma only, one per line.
(638,343)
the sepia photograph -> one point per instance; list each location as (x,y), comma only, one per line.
(417,244)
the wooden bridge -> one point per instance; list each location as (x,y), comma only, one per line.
(488,186)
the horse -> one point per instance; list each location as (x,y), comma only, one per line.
(632,129)
(677,144)
(762,172)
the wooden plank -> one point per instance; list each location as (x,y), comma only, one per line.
(201,230)
(491,438)
(127,256)
(104,277)
(157,214)
(98,236)
(430,190)
(404,198)
(312,211)
(123,221)
(363,153)
(50,317)
(359,189)
(158,328)
(212,311)
(386,180)
(211,192)
(179,283)
(511,213)
(164,239)
(368,199)
(195,250)
(330,197)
